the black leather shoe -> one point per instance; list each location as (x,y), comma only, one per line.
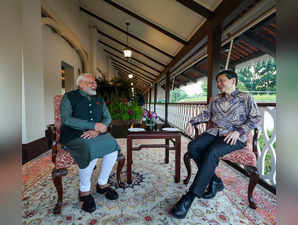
(88,203)
(181,208)
(213,188)
(109,192)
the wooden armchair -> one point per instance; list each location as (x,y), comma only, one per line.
(247,156)
(62,159)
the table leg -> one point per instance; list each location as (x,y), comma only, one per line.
(167,152)
(129,159)
(177,159)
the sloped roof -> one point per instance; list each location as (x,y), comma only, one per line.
(163,34)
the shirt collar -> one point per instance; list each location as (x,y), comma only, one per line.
(234,93)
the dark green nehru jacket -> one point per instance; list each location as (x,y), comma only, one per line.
(90,110)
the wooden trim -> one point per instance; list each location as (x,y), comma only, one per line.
(135,50)
(148,83)
(147,22)
(145,79)
(139,61)
(167,96)
(129,62)
(192,5)
(121,66)
(155,97)
(223,10)
(34,149)
(272,104)
(125,32)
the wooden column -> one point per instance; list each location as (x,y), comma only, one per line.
(167,97)
(150,100)
(155,96)
(214,40)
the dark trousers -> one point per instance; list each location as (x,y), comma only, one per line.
(206,150)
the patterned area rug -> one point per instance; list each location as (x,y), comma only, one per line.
(147,200)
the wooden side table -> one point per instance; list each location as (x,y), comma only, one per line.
(175,136)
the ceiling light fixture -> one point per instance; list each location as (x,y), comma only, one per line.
(130,76)
(127,51)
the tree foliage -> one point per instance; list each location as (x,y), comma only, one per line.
(177,94)
(260,77)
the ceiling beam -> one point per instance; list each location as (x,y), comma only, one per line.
(145,21)
(249,57)
(223,10)
(259,43)
(112,54)
(135,50)
(125,32)
(197,8)
(130,71)
(149,77)
(139,61)
(135,77)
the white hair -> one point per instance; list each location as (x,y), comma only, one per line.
(82,76)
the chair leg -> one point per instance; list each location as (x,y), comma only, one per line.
(254,179)
(57,180)
(121,161)
(167,152)
(186,159)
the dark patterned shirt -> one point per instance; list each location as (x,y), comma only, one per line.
(237,112)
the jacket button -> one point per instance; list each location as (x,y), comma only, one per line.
(90,111)
(91,119)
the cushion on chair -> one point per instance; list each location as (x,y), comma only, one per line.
(63,158)
(244,156)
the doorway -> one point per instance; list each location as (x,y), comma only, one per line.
(67,77)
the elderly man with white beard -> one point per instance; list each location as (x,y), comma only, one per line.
(85,118)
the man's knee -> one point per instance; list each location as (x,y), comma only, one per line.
(192,149)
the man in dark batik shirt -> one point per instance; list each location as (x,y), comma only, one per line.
(232,114)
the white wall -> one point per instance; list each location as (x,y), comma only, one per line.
(42,61)
(55,50)
(33,99)
(10,80)
(69,12)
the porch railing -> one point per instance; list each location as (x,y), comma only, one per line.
(180,113)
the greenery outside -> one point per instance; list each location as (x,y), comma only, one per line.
(259,80)
(122,105)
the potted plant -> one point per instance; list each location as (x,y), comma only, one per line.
(124,109)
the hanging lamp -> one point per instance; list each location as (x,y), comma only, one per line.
(127,51)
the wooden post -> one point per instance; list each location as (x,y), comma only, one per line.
(155,96)
(150,99)
(214,40)
(167,96)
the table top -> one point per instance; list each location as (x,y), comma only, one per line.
(156,128)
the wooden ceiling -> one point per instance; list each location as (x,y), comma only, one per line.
(162,34)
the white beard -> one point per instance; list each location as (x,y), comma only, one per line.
(90,91)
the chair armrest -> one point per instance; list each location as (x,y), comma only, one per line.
(200,130)
(52,144)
